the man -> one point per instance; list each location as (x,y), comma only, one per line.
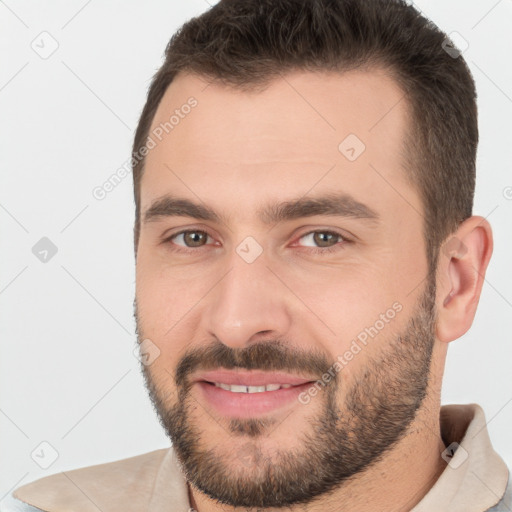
(304,177)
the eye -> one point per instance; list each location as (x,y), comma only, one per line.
(190,238)
(319,241)
(322,241)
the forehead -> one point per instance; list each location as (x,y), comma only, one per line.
(305,130)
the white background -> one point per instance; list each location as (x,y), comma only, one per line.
(68,375)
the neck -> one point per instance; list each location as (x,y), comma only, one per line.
(395,483)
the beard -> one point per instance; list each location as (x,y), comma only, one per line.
(380,403)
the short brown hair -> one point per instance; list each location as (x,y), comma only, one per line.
(247,43)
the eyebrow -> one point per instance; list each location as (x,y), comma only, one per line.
(332,204)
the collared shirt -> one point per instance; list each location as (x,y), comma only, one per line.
(475,479)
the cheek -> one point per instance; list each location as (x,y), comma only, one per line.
(162,299)
(356,310)
(349,296)
(164,305)
(169,304)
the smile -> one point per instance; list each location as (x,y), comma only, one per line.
(249,401)
(239,388)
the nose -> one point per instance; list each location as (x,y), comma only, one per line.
(247,303)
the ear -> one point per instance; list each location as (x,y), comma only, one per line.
(463,260)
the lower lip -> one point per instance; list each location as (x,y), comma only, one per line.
(247,405)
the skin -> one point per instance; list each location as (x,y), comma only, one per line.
(235,152)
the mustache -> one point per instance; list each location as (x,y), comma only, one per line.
(273,355)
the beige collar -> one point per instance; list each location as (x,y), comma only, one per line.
(476,477)
(154,481)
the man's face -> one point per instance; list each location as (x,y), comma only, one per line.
(263,291)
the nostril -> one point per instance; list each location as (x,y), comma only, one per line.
(263,332)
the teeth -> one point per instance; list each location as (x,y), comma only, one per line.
(237,388)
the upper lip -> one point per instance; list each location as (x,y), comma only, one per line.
(253,378)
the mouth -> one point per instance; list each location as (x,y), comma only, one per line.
(242,388)
(250,394)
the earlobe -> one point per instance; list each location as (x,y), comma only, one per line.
(463,261)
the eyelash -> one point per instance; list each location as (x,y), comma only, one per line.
(315,250)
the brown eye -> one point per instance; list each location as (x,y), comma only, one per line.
(190,238)
(325,239)
(321,239)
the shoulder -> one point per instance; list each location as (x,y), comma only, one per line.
(505,503)
(12,504)
(90,488)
